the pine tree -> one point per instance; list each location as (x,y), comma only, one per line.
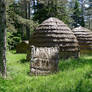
(78,15)
(82,22)
(51,8)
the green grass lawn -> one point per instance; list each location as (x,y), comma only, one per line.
(73,76)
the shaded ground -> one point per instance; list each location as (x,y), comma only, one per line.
(73,76)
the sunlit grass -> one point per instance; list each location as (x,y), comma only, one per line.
(73,76)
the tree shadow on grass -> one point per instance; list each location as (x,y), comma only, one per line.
(23,61)
(74,63)
(14,52)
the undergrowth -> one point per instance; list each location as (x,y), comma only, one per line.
(74,75)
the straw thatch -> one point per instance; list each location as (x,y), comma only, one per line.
(53,32)
(44,60)
(50,38)
(84,37)
(22,47)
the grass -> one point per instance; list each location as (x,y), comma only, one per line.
(73,76)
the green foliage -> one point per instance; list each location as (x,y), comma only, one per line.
(78,15)
(73,76)
(16,24)
(41,14)
(12,40)
(54,8)
(13,37)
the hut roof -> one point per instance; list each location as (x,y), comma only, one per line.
(53,32)
(84,37)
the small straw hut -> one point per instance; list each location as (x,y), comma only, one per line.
(22,47)
(84,37)
(49,38)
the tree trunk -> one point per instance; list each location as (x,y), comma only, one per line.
(27,16)
(2,38)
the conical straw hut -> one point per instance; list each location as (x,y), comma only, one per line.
(48,39)
(53,32)
(22,47)
(84,37)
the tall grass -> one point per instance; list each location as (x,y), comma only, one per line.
(73,76)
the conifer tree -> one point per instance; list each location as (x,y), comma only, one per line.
(51,8)
(78,15)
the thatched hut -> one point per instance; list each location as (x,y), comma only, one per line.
(22,47)
(48,39)
(53,32)
(84,37)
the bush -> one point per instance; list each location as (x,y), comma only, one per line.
(12,39)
